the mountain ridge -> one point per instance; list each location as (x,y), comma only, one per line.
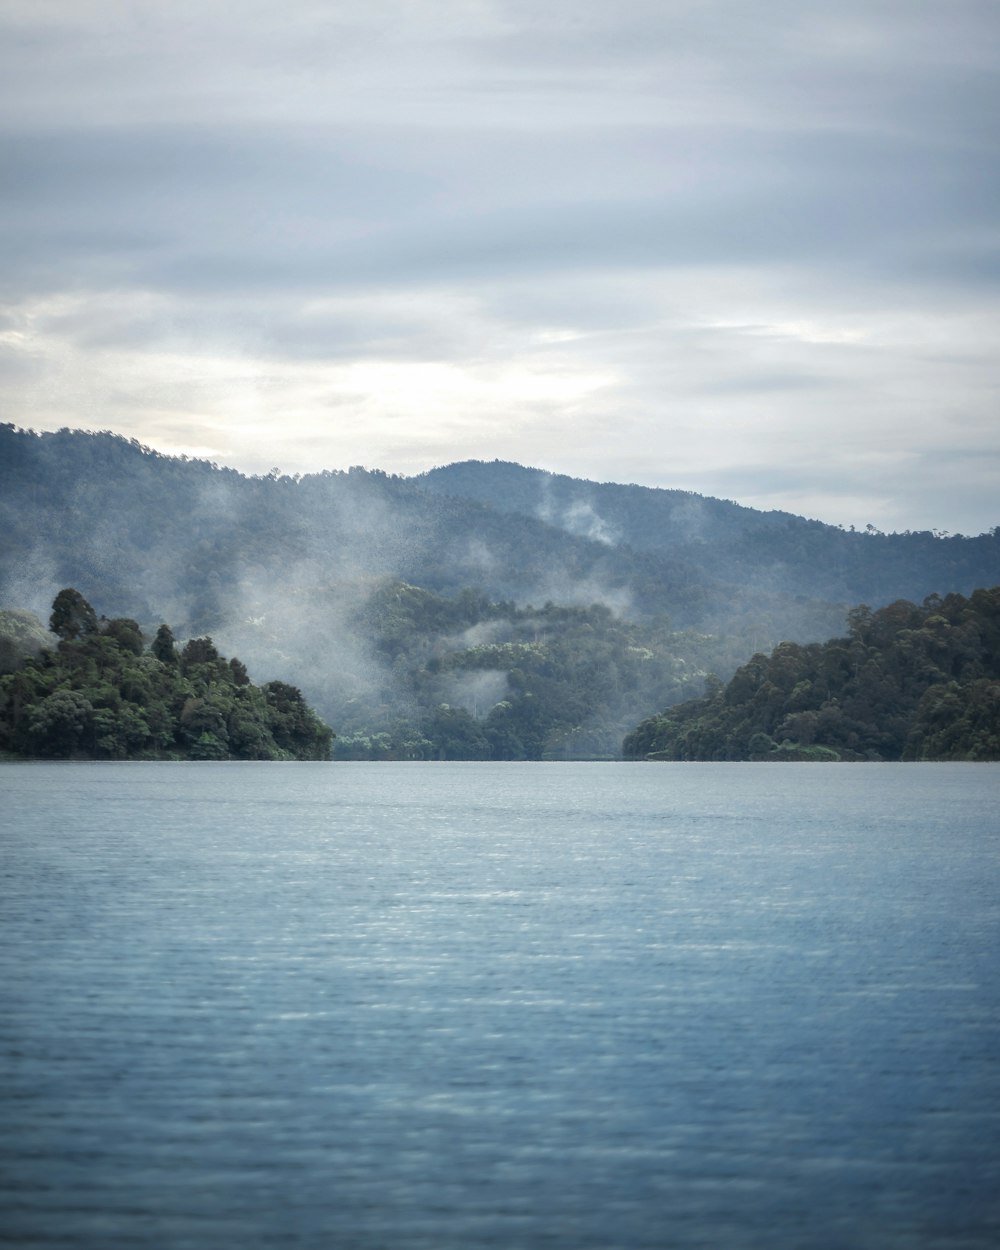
(386,598)
(730,541)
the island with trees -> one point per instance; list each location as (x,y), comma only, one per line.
(102,693)
(908,682)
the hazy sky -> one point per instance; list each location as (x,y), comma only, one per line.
(744,248)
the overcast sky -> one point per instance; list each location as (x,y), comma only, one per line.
(743,247)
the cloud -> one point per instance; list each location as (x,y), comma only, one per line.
(665,242)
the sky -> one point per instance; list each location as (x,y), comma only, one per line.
(743,248)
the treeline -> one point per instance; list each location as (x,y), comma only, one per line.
(101,693)
(908,682)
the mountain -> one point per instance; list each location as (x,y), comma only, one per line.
(584,607)
(76,507)
(154,534)
(729,543)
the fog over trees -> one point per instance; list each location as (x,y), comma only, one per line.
(482,610)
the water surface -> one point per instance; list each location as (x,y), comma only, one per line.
(453,1006)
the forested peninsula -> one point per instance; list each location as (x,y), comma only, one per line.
(908,682)
(101,693)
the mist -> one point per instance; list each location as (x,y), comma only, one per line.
(382,597)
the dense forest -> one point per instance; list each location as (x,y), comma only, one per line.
(478,611)
(101,693)
(469,678)
(908,682)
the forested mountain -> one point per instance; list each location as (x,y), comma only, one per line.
(101,693)
(729,543)
(908,682)
(402,611)
(135,525)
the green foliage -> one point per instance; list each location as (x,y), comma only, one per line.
(125,632)
(293,725)
(908,682)
(457,735)
(72,616)
(60,724)
(386,598)
(478,679)
(101,695)
(198,652)
(163,646)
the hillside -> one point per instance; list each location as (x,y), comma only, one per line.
(409,615)
(908,682)
(730,543)
(132,526)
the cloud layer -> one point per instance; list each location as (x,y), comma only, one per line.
(749,252)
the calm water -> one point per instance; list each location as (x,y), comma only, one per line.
(454,1006)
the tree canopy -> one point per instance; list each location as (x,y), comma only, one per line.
(100,694)
(908,682)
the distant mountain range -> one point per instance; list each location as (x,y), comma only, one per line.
(292,573)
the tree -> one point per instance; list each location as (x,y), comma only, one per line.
(199,651)
(909,683)
(457,736)
(126,633)
(99,694)
(240,675)
(163,646)
(72,616)
(293,724)
(59,724)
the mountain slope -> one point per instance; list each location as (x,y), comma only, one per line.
(772,551)
(157,534)
(386,598)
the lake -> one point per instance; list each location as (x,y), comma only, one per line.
(536,1006)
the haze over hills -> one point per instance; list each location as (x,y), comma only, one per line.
(728,542)
(543,614)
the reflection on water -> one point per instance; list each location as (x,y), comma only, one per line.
(457,1006)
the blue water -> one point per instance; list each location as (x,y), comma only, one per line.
(453,1006)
